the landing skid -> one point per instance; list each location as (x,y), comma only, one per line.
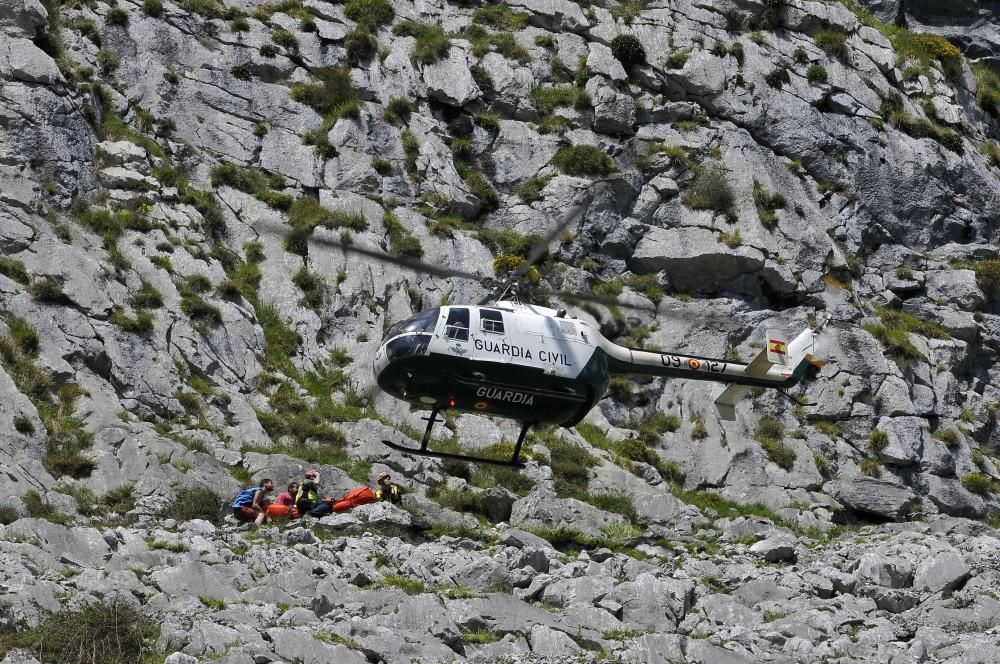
(513,462)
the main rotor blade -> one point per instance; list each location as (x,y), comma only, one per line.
(402,261)
(576,210)
(609,302)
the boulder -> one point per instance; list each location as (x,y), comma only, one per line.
(556,15)
(538,510)
(885,571)
(874,496)
(773,549)
(450,81)
(941,573)
(694,259)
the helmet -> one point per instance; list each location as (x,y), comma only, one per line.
(383,476)
(313,473)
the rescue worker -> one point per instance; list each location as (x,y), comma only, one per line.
(308,494)
(388,490)
(251,503)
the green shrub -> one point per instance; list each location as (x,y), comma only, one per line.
(116,16)
(14,269)
(332,95)
(677,59)
(112,631)
(531,190)
(23,424)
(40,508)
(878,440)
(767,203)
(361,45)
(398,109)
(988,276)
(481,188)
(313,288)
(987,89)
(501,18)
(584,160)
(47,289)
(488,121)
(142,324)
(432,42)
(196,503)
(547,99)
(925,48)
(977,482)
(816,74)
(285,40)
(710,190)
(369,14)
(147,297)
(620,387)
(833,41)
(307,213)
(152,7)
(870,467)
(628,50)
(949,437)
(769,433)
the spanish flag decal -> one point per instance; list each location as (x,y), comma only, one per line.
(777,346)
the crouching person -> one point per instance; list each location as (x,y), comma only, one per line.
(283,506)
(251,504)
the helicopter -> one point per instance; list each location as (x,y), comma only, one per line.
(512,359)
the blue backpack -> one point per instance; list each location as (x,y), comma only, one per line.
(245,497)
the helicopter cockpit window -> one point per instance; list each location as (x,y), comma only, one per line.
(492,321)
(457,326)
(424,321)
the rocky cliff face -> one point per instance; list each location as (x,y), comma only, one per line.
(180,319)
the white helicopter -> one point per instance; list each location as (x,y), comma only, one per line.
(539,366)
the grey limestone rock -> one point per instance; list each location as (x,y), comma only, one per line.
(779,547)
(450,80)
(942,572)
(559,15)
(874,496)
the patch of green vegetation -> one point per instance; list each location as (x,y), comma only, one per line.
(479,186)
(570,464)
(732,239)
(870,467)
(172,547)
(620,388)
(195,503)
(141,324)
(584,160)
(987,89)
(878,440)
(401,241)
(480,637)
(710,190)
(767,203)
(628,50)
(816,74)
(833,41)
(332,95)
(14,269)
(40,508)
(949,437)
(398,109)
(925,48)
(313,288)
(488,121)
(252,181)
(110,631)
(977,482)
(769,433)
(501,17)
(895,327)
(408,586)
(307,213)
(369,14)
(547,99)
(504,43)
(66,436)
(531,190)
(432,42)
(892,112)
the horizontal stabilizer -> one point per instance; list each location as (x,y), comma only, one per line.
(726,402)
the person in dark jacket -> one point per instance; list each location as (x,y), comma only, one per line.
(308,493)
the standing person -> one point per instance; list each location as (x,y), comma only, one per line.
(308,493)
(251,503)
(388,490)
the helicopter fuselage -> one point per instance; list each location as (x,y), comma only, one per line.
(537,366)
